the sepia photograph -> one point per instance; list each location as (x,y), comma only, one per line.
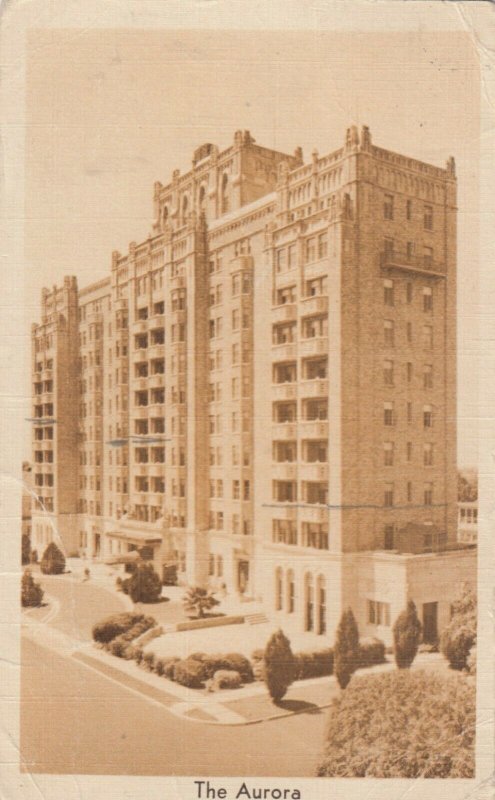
(249,448)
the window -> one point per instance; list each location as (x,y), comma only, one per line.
(281,259)
(428,494)
(409,371)
(315,409)
(315,534)
(388,248)
(236,284)
(278,589)
(316,287)
(310,249)
(388,495)
(322,245)
(284,491)
(409,332)
(286,295)
(408,209)
(315,326)
(315,452)
(285,373)
(428,454)
(378,613)
(291,592)
(409,450)
(236,490)
(316,493)
(409,492)
(428,256)
(388,537)
(409,292)
(309,621)
(285,412)
(315,368)
(388,413)
(388,207)
(409,412)
(428,336)
(388,333)
(427,417)
(284,531)
(284,334)
(427,299)
(388,292)
(388,454)
(292,256)
(284,452)
(428,376)
(428,218)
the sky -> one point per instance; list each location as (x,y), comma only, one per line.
(110,112)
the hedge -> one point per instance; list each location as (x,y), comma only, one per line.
(402,724)
(189,672)
(119,625)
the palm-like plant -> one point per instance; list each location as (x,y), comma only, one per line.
(197,600)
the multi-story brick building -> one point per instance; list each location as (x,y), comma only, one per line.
(264,389)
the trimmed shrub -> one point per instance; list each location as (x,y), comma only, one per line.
(346,649)
(197,600)
(459,636)
(148,661)
(280,665)
(407,636)
(314,664)
(236,662)
(226,679)
(31,592)
(371,651)
(119,624)
(144,585)
(53,560)
(169,667)
(25,549)
(138,655)
(189,673)
(424,724)
(159,666)
(117,647)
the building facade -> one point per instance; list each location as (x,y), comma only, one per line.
(263,391)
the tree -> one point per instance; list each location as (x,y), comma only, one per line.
(459,637)
(53,560)
(25,549)
(31,592)
(144,585)
(346,648)
(280,665)
(407,636)
(197,600)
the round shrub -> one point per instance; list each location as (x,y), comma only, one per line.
(138,655)
(280,665)
(459,636)
(424,724)
(53,560)
(169,667)
(31,592)
(226,679)
(117,647)
(236,662)
(144,585)
(189,673)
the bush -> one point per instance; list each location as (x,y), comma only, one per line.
(197,600)
(407,636)
(402,724)
(280,665)
(119,624)
(236,662)
(138,655)
(459,636)
(144,585)
(148,661)
(189,673)
(25,549)
(117,647)
(31,592)
(159,666)
(346,649)
(169,667)
(314,664)
(226,679)
(53,561)
(371,651)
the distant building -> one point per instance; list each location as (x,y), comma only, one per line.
(467,522)
(27,496)
(263,390)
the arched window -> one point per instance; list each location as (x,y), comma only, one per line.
(185,205)
(309,615)
(202,197)
(225,195)
(164,215)
(322,605)
(278,589)
(291,592)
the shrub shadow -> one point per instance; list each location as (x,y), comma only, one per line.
(298,706)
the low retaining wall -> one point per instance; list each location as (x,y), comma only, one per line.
(211,622)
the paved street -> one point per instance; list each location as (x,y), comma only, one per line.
(74,720)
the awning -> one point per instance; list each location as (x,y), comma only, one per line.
(136,537)
(123,558)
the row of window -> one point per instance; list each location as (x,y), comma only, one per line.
(313,492)
(313,248)
(390,414)
(313,409)
(313,451)
(311,327)
(389,333)
(390,208)
(238,457)
(389,452)
(240,489)
(215,326)
(389,294)
(313,534)
(389,494)
(389,372)
(313,596)
(312,288)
